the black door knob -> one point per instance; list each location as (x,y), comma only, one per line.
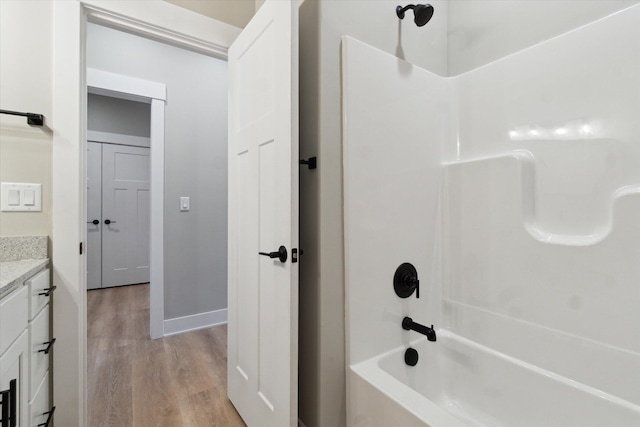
(107,221)
(95,222)
(281,254)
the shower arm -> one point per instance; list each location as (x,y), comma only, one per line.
(401,10)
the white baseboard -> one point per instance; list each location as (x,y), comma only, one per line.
(194,322)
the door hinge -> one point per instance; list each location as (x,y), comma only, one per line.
(80,248)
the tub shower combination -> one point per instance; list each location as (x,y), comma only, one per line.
(501,205)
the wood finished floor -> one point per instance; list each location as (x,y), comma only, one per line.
(135,381)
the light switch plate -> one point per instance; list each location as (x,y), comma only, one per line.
(21,197)
(184,204)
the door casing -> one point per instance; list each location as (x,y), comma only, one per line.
(156,20)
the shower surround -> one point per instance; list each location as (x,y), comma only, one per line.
(514,189)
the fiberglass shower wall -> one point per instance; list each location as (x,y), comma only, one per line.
(542,240)
(515,190)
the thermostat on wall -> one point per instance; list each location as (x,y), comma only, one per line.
(21,197)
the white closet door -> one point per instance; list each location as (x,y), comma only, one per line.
(125,215)
(94,213)
(263,217)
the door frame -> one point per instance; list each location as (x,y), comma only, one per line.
(134,89)
(157,20)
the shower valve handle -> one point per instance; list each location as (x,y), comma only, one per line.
(412,283)
(405,281)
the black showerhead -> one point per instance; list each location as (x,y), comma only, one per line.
(422,13)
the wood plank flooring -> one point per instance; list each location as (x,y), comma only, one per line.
(135,381)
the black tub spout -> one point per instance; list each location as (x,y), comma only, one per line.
(409,325)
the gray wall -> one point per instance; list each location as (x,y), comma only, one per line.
(115,115)
(195,161)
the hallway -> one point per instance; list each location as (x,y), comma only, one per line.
(133,381)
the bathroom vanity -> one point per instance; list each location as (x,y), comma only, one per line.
(25,338)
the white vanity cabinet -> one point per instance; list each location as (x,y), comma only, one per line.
(40,347)
(14,358)
(25,348)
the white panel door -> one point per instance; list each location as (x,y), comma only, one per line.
(94,215)
(125,215)
(263,216)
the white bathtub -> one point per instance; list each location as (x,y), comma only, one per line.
(460,383)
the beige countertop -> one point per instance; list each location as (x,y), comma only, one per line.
(13,273)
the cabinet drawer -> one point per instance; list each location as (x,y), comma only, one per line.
(39,406)
(13,316)
(38,297)
(38,340)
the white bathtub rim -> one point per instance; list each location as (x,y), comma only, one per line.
(432,413)
(404,396)
(551,375)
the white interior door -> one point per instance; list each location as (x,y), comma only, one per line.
(263,216)
(125,215)
(94,214)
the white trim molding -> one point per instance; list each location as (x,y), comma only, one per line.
(126,87)
(194,322)
(156,256)
(165,22)
(118,138)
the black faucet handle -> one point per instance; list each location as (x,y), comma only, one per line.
(405,281)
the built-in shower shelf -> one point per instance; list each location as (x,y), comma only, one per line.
(512,179)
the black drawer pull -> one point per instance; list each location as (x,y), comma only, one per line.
(49,345)
(13,391)
(48,291)
(9,405)
(46,423)
(5,396)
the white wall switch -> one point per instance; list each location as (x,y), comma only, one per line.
(21,197)
(29,197)
(14,197)
(184,204)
